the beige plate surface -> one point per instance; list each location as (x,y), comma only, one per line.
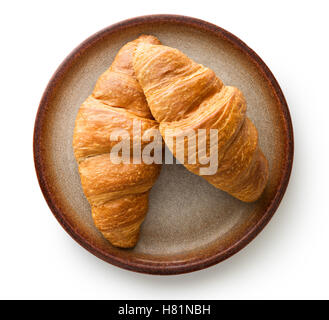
(190,224)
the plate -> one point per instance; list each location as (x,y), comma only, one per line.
(190,224)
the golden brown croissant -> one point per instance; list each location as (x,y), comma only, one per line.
(185,96)
(117,192)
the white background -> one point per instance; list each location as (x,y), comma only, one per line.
(289,259)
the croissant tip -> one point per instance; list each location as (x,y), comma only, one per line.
(123,238)
(123,243)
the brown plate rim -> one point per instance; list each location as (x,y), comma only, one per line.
(164,268)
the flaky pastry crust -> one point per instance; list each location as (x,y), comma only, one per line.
(117,193)
(183,96)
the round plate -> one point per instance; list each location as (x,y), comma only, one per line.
(190,224)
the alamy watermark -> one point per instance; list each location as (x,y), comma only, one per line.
(193,147)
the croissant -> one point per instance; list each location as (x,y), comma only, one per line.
(184,96)
(117,192)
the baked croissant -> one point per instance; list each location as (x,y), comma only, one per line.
(185,96)
(117,192)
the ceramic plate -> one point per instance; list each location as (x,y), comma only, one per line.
(190,224)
